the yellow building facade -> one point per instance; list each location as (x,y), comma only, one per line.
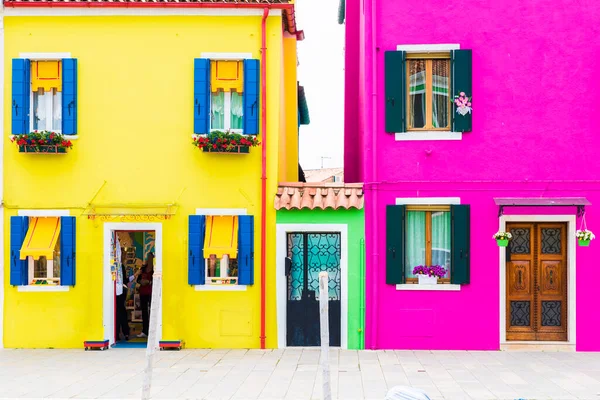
(133,168)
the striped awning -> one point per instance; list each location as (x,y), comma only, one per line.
(41,238)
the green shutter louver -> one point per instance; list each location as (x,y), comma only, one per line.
(461,244)
(462,81)
(342,12)
(395,238)
(395,91)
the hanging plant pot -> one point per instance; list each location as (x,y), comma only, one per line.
(234,149)
(43,149)
(502,242)
(584,243)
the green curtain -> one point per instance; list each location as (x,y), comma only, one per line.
(441,240)
(237,111)
(415,241)
(217,110)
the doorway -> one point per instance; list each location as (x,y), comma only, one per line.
(308,254)
(136,241)
(536,282)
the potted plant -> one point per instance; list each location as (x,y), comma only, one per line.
(502,238)
(429,275)
(584,237)
(42,142)
(225,142)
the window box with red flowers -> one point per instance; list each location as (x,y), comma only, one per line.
(44,142)
(225,142)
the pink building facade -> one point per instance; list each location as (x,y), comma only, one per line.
(438,184)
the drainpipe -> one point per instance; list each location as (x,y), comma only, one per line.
(361,343)
(263,213)
(374,187)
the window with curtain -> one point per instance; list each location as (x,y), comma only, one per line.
(227,105)
(428,239)
(429,102)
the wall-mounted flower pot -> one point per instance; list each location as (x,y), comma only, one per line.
(427,280)
(45,149)
(502,242)
(235,149)
(584,243)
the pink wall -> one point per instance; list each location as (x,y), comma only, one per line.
(536,99)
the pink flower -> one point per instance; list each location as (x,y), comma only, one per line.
(462,93)
(469,104)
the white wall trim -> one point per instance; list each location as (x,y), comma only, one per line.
(2,183)
(153,11)
(281,281)
(220,288)
(425,288)
(108,285)
(571,221)
(44,213)
(427,48)
(427,135)
(226,56)
(427,201)
(45,56)
(221,211)
(42,288)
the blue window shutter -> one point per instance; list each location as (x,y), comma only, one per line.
(246,250)
(67,251)
(251,91)
(197,227)
(18,267)
(69,100)
(21,94)
(201,95)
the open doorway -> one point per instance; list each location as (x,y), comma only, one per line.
(132,253)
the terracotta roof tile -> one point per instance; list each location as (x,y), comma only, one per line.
(318,195)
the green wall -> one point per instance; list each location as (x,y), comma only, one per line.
(356,234)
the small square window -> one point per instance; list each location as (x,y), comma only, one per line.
(221,271)
(43,271)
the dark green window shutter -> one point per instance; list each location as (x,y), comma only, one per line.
(462,81)
(395,234)
(395,91)
(461,244)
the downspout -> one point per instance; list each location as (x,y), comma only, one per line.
(263,213)
(361,343)
(374,186)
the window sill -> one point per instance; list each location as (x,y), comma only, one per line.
(42,288)
(220,288)
(70,137)
(425,288)
(428,135)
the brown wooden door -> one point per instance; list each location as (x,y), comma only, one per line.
(536,282)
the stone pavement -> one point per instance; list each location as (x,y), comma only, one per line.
(294,374)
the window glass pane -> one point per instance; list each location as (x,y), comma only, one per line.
(415,241)
(237,110)
(56,110)
(39,110)
(441,240)
(39,268)
(232,272)
(217,110)
(416,87)
(441,88)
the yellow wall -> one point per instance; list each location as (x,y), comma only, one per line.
(288,145)
(135,124)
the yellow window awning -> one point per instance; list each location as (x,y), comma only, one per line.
(46,75)
(227,76)
(221,236)
(41,238)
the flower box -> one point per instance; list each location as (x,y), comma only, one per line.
(42,149)
(234,149)
(584,243)
(502,242)
(427,280)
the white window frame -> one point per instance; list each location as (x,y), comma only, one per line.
(224,266)
(227,96)
(49,270)
(427,135)
(47,98)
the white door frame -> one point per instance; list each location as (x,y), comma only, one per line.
(571,221)
(108,288)
(281,281)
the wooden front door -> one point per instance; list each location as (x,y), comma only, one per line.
(536,282)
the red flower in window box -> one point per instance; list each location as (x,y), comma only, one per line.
(225,142)
(42,142)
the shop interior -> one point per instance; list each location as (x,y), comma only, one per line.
(132,252)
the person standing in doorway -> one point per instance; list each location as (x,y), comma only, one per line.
(145,281)
(122,323)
